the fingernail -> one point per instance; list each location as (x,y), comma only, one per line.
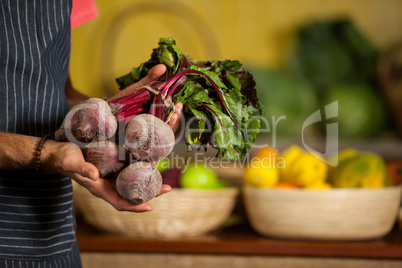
(145,210)
(91,175)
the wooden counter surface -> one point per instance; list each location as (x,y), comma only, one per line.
(240,239)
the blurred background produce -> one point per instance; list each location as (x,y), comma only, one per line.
(192,176)
(294,167)
(303,54)
(308,198)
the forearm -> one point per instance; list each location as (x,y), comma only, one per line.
(17,151)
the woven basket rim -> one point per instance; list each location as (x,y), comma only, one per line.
(346,190)
(233,189)
(162,222)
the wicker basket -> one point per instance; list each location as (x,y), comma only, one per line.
(336,214)
(180,213)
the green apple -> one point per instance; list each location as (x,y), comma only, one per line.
(220,185)
(163,165)
(197,176)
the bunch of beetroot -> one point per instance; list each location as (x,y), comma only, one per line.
(124,137)
(94,125)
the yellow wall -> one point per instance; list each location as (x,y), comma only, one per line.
(256,32)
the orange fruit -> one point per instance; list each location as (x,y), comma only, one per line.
(289,156)
(395,172)
(259,175)
(307,169)
(267,152)
(267,155)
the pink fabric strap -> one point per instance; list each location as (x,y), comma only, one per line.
(83,11)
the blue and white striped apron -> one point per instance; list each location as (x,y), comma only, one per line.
(37,223)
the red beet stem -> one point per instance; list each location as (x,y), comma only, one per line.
(132,95)
(152,110)
(123,116)
(138,94)
(130,103)
(130,109)
(160,106)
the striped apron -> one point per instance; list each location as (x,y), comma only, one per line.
(37,223)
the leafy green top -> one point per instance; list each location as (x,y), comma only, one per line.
(220,102)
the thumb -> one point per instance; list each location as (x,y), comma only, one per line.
(88,170)
(154,73)
(173,122)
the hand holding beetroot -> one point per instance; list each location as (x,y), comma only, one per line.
(67,159)
(93,124)
(147,138)
(220,101)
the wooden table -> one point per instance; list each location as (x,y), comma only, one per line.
(241,239)
(238,246)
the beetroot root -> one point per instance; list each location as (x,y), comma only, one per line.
(88,121)
(149,138)
(139,182)
(107,156)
